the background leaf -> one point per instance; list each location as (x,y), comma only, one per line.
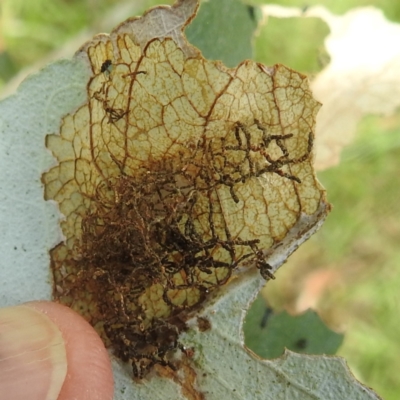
(268,333)
(228,39)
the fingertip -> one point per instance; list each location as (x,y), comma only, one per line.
(89,372)
(33,360)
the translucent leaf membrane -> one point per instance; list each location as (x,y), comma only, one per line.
(175,173)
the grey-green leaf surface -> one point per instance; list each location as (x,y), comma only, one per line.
(29,225)
(229,371)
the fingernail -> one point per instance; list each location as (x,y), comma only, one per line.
(33,362)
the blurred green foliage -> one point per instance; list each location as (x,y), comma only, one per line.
(29,30)
(299,43)
(364,237)
(391,8)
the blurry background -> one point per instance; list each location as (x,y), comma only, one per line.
(349,271)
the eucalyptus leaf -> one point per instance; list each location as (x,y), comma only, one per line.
(220,364)
(223,30)
(268,333)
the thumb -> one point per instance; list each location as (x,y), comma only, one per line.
(48,352)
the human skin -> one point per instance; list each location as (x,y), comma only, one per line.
(48,352)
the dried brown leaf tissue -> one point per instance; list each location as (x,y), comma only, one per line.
(177,174)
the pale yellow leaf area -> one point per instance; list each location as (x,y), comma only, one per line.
(362,77)
(175,172)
